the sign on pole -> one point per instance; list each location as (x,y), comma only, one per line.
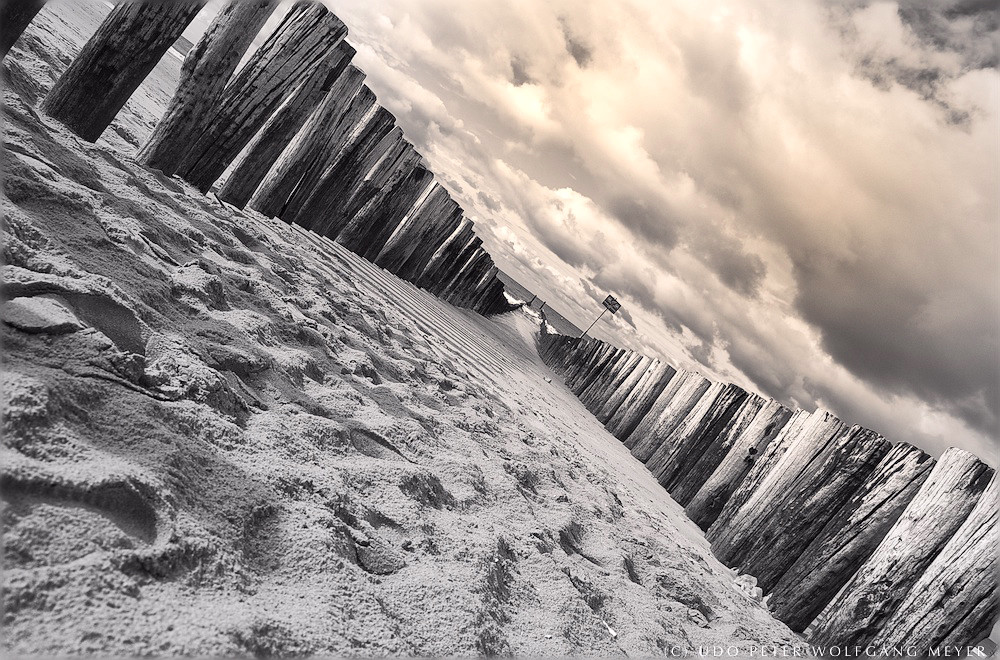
(610,305)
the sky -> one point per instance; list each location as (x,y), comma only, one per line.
(797,197)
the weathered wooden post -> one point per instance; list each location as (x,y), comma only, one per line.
(15,15)
(322,208)
(776,471)
(204,74)
(598,369)
(494,300)
(599,392)
(281,128)
(582,359)
(861,610)
(114,62)
(639,403)
(446,257)
(361,180)
(687,423)
(718,442)
(301,44)
(472,289)
(445,270)
(684,391)
(375,198)
(700,434)
(372,226)
(954,603)
(472,271)
(408,252)
(850,537)
(628,381)
(324,137)
(744,456)
(805,495)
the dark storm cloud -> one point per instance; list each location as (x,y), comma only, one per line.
(488,201)
(878,326)
(645,219)
(969,29)
(740,271)
(519,72)
(580,52)
(626,316)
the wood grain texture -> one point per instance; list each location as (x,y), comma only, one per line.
(861,610)
(718,441)
(640,401)
(15,16)
(850,537)
(714,495)
(259,158)
(114,62)
(302,43)
(677,400)
(954,603)
(324,208)
(805,496)
(205,73)
(323,138)
(431,224)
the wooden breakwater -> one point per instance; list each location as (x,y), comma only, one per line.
(299,133)
(856,541)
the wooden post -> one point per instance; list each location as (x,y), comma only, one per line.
(204,74)
(258,161)
(807,495)
(684,391)
(582,360)
(672,439)
(718,442)
(322,208)
(849,538)
(324,136)
(447,269)
(861,610)
(639,403)
(699,432)
(368,232)
(449,254)
(379,196)
(472,271)
(114,62)
(363,180)
(598,369)
(15,15)
(954,603)
(495,302)
(630,378)
(777,471)
(301,43)
(476,291)
(597,395)
(428,227)
(745,454)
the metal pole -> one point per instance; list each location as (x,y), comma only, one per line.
(594,323)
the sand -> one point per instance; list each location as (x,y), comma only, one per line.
(224,435)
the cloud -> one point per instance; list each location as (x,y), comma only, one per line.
(798,197)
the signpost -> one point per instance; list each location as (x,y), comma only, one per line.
(610,305)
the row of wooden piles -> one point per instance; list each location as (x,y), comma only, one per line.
(857,541)
(294,133)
